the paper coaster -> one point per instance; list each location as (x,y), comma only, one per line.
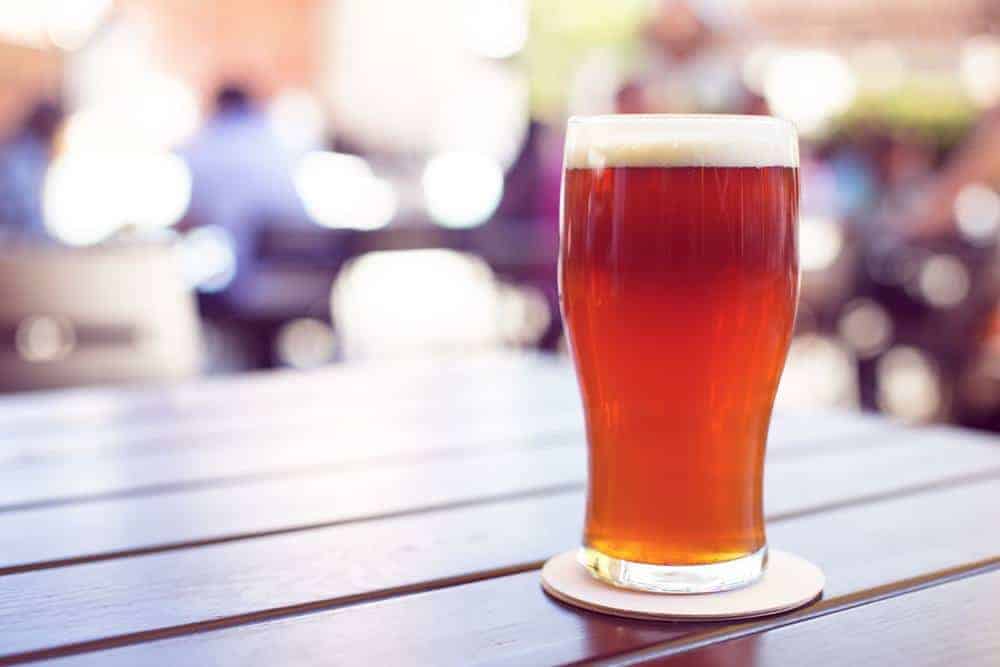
(788,582)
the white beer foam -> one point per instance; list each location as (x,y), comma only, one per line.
(640,140)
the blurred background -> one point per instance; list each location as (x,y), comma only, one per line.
(200,187)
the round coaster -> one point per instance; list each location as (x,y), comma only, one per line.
(788,582)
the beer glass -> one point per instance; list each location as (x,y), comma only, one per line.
(678,277)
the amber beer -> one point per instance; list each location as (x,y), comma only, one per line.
(678,282)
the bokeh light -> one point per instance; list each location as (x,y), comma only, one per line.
(979,69)
(164,108)
(208,258)
(76,205)
(340,191)
(399,72)
(305,343)
(908,384)
(819,373)
(495,28)
(66,24)
(943,281)
(71,22)
(524,314)
(486,114)
(44,338)
(88,196)
(158,113)
(297,119)
(126,98)
(462,189)
(977,213)
(412,302)
(809,87)
(821,240)
(866,326)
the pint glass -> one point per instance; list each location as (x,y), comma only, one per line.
(678,278)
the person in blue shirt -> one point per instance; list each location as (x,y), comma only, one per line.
(241,178)
(24,161)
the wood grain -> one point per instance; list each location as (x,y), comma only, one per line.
(508,619)
(229,461)
(314,448)
(324,407)
(26,413)
(237,409)
(397,514)
(954,623)
(117,526)
(248,579)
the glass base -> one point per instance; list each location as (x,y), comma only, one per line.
(712,578)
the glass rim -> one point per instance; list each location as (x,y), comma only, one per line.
(680,140)
(708,118)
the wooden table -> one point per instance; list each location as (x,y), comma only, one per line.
(399,515)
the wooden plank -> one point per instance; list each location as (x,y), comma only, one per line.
(879,549)
(231,458)
(257,414)
(121,525)
(346,400)
(318,418)
(87,404)
(327,417)
(953,623)
(116,526)
(180,591)
(238,460)
(319,414)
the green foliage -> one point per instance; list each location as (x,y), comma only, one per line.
(934,109)
(563,32)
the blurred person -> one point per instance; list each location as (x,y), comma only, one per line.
(24,162)
(531,203)
(855,176)
(630,98)
(917,221)
(682,69)
(523,179)
(905,171)
(909,165)
(241,178)
(930,212)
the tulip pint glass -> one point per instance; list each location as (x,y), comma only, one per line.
(678,278)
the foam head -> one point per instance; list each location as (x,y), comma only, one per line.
(664,140)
